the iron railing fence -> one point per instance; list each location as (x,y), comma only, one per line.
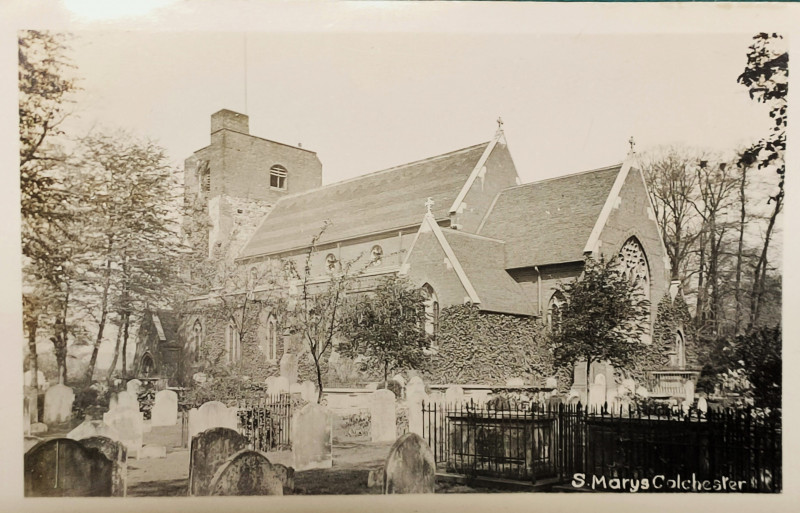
(266,422)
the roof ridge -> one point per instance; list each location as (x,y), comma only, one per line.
(473,235)
(375,173)
(554,178)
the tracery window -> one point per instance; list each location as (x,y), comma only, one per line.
(277,177)
(554,310)
(233,343)
(633,262)
(331,261)
(270,342)
(376,255)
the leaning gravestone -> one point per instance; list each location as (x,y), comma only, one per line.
(410,467)
(210,415)
(383,421)
(65,468)
(454,395)
(246,473)
(209,451)
(58,404)
(289,368)
(89,428)
(129,424)
(118,455)
(415,413)
(165,409)
(308,391)
(134,386)
(311,438)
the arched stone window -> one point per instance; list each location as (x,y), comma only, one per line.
(633,262)
(554,310)
(680,350)
(331,261)
(431,313)
(233,344)
(197,339)
(277,177)
(376,255)
(269,345)
(147,365)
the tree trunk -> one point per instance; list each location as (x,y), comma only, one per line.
(761,267)
(103,317)
(116,355)
(33,324)
(738,280)
(699,315)
(126,322)
(319,377)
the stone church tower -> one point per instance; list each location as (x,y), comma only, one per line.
(233,182)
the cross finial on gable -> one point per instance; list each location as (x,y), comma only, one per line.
(499,124)
(632,142)
(429,204)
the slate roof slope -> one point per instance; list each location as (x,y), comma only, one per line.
(549,222)
(373,203)
(170,323)
(482,261)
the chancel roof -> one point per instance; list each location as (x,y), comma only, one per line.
(549,222)
(374,203)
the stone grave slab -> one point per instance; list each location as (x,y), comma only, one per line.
(312,438)
(383,422)
(117,454)
(58,404)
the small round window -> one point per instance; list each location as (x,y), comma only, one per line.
(376,255)
(330,262)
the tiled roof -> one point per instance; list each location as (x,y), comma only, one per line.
(549,222)
(373,203)
(170,323)
(482,261)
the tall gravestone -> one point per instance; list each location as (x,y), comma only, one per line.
(246,473)
(58,404)
(415,396)
(117,454)
(415,386)
(410,467)
(210,415)
(65,468)
(454,395)
(311,438)
(129,424)
(597,392)
(165,409)
(209,451)
(383,422)
(289,368)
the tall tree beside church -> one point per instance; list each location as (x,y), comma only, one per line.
(44,90)
(602,319)
(766,75)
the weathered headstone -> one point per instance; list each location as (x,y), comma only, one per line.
(702,404)
(210,415)
(454,394)
(134,386)
(89,428)
(246,473)
(123,399)
(129,424)
(399,379)
(311,437)
(30,442)
(515,382)
(597,392)
(65,468)
(286,475)
(209,451)
(415,387)
(41,380)
(165,409)
(270,380)
(688,389)
(117,454)
(410,467)
(279,386)
(308,391)
(58,404)
(289,368)
(383,421)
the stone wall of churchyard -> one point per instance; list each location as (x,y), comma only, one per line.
(483,348)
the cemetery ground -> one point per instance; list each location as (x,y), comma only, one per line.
(353,459)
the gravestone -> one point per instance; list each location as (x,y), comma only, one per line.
(311,438)
(246,473)
(123,399)
(117,454)
(65,468)
(574,400)
(454,395)
(289,368)
(286,475)
(383,421)
(129,424)
(308,391)
(372,385)
(41,380)
(515,382)
(410,467)
(30,441)
(210,415)
(597,392)
(480,396)
(165,409)
(270,380)
(135,387)
(209,451)
(279,386)
(415,386)
(58,404)
(38,428)
(199,377)
(415,414)
(702,404)
(688,389)
(32,398)
(399,379)
(89,428)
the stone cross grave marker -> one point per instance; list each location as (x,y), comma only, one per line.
(58,404)
(65,468)
(165,409)
(410,467)
(246,473)
(209,451)
(117,454)
(311,437)
(383,423)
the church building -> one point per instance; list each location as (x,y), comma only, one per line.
(459,225)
